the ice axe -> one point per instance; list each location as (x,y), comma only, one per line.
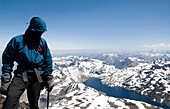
(49,89)
(48,92)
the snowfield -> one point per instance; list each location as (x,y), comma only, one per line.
(83,97)
(70,92)
(151,80)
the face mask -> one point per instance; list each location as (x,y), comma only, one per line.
(35,36)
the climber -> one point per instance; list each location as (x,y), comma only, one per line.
(34,69)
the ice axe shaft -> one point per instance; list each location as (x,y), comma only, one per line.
(48,92)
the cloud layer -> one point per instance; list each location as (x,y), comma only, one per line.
(161,45)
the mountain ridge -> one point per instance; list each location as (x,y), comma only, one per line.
(79,68)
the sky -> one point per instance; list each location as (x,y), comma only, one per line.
(91,24)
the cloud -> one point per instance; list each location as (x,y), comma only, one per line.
(161,45)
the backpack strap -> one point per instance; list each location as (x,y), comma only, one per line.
(37,46)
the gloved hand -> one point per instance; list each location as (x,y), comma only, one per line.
(49,82)
(5,81)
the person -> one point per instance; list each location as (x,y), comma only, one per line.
(34,69)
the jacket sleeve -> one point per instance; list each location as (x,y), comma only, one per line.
(8,57)
(47,59)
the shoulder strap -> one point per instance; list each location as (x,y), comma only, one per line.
(41,47)
(38,47)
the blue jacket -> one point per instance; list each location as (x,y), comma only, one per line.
(21,50)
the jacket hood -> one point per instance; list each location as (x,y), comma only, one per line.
(37,24)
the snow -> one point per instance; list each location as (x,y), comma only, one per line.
(91,99)
(111,55)
(89,68)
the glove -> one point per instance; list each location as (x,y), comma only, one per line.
(49,82)
(5,81)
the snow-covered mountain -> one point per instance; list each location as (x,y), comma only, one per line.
(120,61)
(149,79)
(79,96)
(70,92)
(125,60)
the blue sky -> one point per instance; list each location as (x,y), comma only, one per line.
(91,24)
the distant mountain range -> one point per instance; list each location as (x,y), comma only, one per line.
(125,60)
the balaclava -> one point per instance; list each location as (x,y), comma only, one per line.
(36,27)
